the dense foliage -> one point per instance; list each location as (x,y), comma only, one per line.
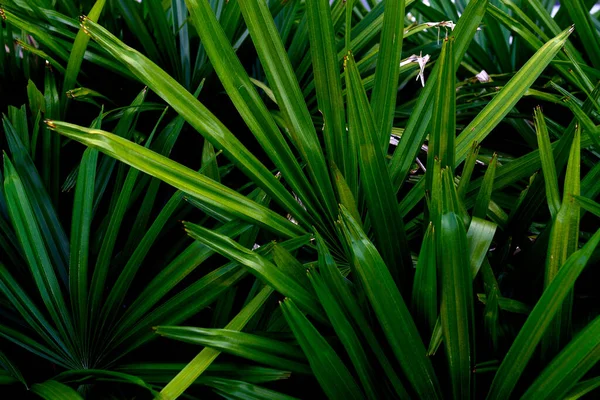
(274,199)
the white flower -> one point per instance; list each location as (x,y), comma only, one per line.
(483,76)
(422,61)
(442,24)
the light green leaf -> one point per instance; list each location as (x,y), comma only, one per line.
(212,193)
(200,363)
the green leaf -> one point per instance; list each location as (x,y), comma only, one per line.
(425,287)
(271,352)
(573,362)
(346,334)
(258,265)
(196,114)
(388,227)
(119,289)
(531,40)
(584,119)
(103,375)
(482,202)
(46,216)
(137,26)
(564,241)
(328,85)
(539,320)
(586,30)
(80,238)
(443,124)
(11,369)
(345,192)
(123,129)
(78,49)
(287,263)
(31,241)
(249,104)
(467,171)
(180,27)
(583,388)
(36,98)
(544,18)
(490,316)
(21,302)
(547,159)
(456,309)
(53,390)
(588,205)
(163,372)
(506,304)
(40,34)
(165,39)
(417,124)
(233,389)
(390,309)
(103,262)
(338,286)
(506,99)
(168,278)
(479,238)
(289,97)
(31,49)
(212,193)
(51,143)
(383,98)
(29,344)
(333,376)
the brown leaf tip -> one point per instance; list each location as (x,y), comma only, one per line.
(2,14)
(84,19)
(50,123)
